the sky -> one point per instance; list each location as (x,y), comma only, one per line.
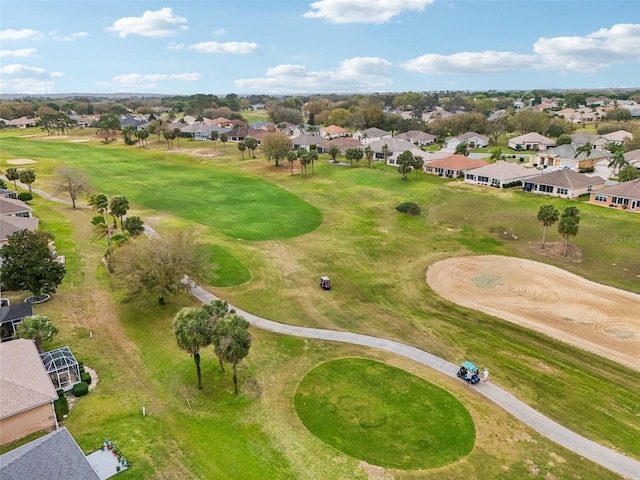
(184,47)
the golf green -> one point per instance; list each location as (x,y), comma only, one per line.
(384,415)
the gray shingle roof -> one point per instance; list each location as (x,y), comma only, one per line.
(52,457)
(630,189)
(567,179)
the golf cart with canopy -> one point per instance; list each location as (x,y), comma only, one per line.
(469,373)
(325,283)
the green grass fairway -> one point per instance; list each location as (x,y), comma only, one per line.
(239,206)
(384,415)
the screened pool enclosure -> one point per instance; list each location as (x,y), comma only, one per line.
(62,367)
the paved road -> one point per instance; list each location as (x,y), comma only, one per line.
(625,466)
(621,464)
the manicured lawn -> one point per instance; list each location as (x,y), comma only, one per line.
(376,258)
(384,415)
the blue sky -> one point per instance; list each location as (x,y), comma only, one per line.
(295,46)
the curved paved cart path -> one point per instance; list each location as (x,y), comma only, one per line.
(625,466)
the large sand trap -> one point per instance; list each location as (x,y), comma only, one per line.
(21,161)
(598,318)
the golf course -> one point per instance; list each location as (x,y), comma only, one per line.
(311,409)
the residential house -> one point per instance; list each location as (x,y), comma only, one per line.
(343,143)
(8,193)
(15,215)
(563,183)
(500,174)
(394,145)
(309,141)
(618,137)
(137,123)
(11,316)
(26,393)
(603,169)
(416,152)
(472,139)
(453,166)
(52,457)
(238,134)
(333,131)
(22,122)
(531,141)
(624,195)
(567,156)
(371,135)
(263,125)
(417,137)
(438,113)
(600,141)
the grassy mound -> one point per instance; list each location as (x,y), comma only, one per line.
(384,415)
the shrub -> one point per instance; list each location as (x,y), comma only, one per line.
(86,377)
(521,159)
(80,389)
(25,196)
(61,406)
(408,208)
(81,367)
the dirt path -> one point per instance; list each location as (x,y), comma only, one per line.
(595,317)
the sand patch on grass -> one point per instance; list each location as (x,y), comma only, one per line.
(21,161)
(595,317)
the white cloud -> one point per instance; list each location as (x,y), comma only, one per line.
(239,48)
(23,52)
(73,36)
(175,46)
(24,34)
(161,23)
(363,11)
(360,74)
(18,78)
(219,32)
(595,51)
(469,62)
(139,78)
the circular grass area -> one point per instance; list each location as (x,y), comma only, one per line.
(384,415)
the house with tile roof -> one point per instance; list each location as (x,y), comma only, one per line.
(333,131)
(52,457)
(567,156)
(625,196)
(563,183)
(26,392)
(417,137)
(472,139)
(15,215)
(531,141)
(500,174)
(453,166)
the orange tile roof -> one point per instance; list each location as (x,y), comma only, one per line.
(458,162)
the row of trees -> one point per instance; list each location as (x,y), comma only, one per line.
(213,324)
(23,175)
(567,227)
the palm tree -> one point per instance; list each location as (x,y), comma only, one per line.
(547,215)
(313,156)
(28,176)
(368,152)
(385,152)
(333,152)
(231,342)
(496,154)
(242,147)
(291,158)
(618,162)
(193,331)
(223,139)
(38,328)
(12,175)
(568,227)
(586,148)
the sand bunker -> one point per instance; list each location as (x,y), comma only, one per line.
(598,318)
(54,137)
(80,140)
(21,161)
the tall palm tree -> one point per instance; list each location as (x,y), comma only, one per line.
(586,148)
(568,227)
(231,342)
(547,215)
(38,328)
(13,174)
(618,162)
(385,152)
(368,152)
(193,331)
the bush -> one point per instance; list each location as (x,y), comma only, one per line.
(86,377)
(61,406)
(80,389)
(81,367)
(25,196)
(521,159)
(408,208)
